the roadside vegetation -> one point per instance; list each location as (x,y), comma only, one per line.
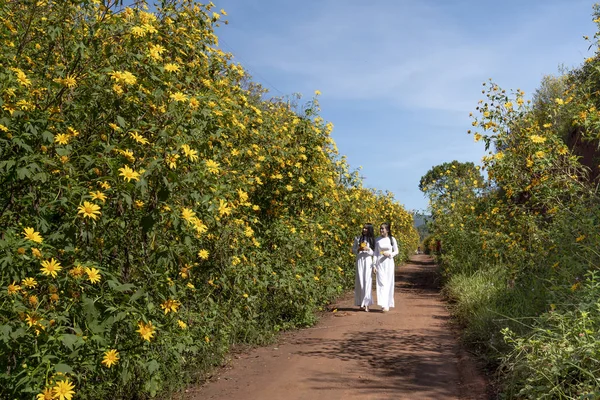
(519,238)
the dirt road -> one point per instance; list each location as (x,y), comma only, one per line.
(408,353)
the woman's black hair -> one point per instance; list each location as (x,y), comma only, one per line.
(369,237)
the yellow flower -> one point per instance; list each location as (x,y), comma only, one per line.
(188,214)
(29,283)
(69,81)
(93,275)
(213,166)
(138,31)
(206,339)
(13,288)
(246,295)
(537,139)
(171,67)
(62,138)
(128,174)
(181,324)
(146,331)
(21,77)
(316,278)
(45,395)
(540,154)
(32,319)
(317,92)
(111,357)
(170,305)
(199,226)
(171,160)
(178,96)
(77,271)
(105,185)
(477,137)
(189,152)
(98,195)
(50,268)
(89,210)
(32,235)
(289,188)
(63,390)
(203,254)
(123,77)
(580,238)
(138,138)
(3,128)
(156,51)
(223,208)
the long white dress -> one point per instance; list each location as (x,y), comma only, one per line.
(364,269)
(385,270)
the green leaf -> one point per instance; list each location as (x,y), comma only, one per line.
(63,368)
(152,366)
(71,341)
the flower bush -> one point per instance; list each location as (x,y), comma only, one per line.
(519,251)
(155,208)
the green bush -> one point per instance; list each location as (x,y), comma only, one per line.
(154,208)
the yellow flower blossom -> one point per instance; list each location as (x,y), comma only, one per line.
(89,210)
(21,77)
(111,357)
(224,209)
(13,288)
(29,283)
(178,97)
(98,195)
(125,77)
(187,214)
(63,390)
(146,331)
(128,174)
(537,139)
(203,254)
(170,305)
(171,67)
(171,160)
(50,268)
(31,234)
(213,166)
(138,138)
(182,324)
(45,395)
(93,275)
(62,138)
(155,51)
(190,153)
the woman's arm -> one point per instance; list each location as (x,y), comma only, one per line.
(394,248)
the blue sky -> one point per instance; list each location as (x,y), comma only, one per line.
(399,77)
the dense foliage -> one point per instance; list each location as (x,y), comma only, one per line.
(155,208)
(520,251)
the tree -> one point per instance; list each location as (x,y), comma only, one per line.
(447,180)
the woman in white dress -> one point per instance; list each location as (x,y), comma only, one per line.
(363,248)
(386,248)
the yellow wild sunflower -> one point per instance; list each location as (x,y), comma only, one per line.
(89,210)
(50,268)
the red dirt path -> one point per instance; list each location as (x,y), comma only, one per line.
(410,352)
